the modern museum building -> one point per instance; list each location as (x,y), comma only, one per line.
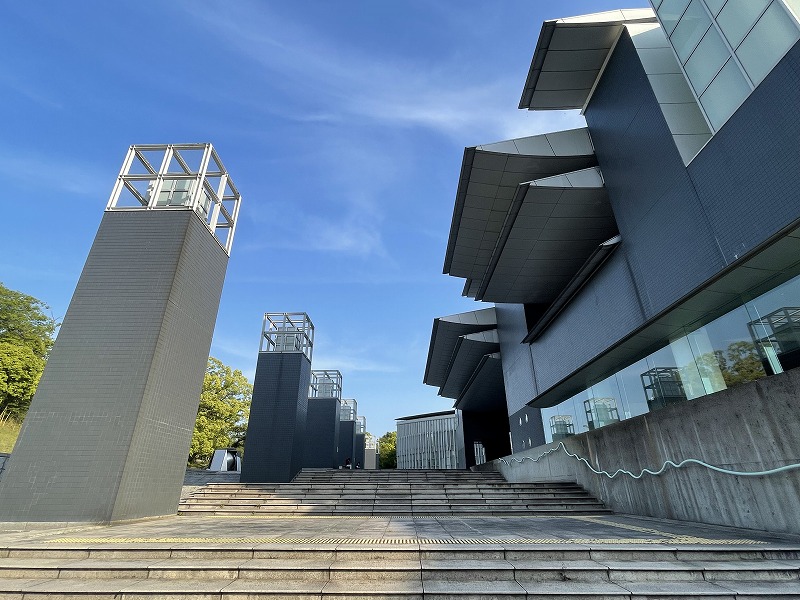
(648,259)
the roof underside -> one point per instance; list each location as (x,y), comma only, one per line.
(469,351)
(552,228)
(445,337)
(485,391)
(548,231)
(570,56)
(489,183)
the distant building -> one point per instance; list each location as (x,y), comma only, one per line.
(431,441)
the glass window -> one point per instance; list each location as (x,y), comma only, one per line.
(770,39)
(662,382)
(578,412)
(604,405)
(738,17)
(725,94)
(734,349)
(775,326)
(629,383)
(693,24)
(687,369)
(670,13)
(707,60)
(715,6)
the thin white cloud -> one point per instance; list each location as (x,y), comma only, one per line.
(32,170)
(26,89)
(384,89)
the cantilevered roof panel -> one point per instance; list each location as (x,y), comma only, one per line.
(489,178)
(485,391)
(553,226)
(570,56)
(445,335)
(469,351)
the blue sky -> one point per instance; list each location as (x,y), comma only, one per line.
(343,125)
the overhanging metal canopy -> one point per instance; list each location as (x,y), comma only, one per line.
(489,178)
(468,352)
(444,338)
(570,56)
(485,391)
(551,228)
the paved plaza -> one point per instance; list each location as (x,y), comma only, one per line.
(331,532)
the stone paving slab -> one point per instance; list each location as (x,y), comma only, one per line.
(614,533)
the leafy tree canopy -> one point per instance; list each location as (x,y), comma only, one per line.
(387,444)
(20,370)
(23,322)
(223,412)
(26,336)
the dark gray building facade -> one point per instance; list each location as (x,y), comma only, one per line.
(107,434)
(651,257)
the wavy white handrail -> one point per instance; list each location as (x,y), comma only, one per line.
(668,463)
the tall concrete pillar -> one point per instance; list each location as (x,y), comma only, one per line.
(347,432)
(276,430)
(322,422)
(108,431)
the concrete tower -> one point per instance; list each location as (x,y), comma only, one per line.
(322,422)
(276,430)
(107,434)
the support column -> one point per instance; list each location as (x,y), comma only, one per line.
(322,423)
(108,431)
(276,430)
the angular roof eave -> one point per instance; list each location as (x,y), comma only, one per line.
(572,53)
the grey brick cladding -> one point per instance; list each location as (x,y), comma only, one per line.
(518,373)
(108,431)
(277,426)
(322,433)
(347,442)
(680,226)
(358,452)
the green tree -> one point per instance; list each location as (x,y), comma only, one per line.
(26,336)
(223,412)
(387,445)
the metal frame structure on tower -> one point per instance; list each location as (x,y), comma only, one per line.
(179,176)
(287,332)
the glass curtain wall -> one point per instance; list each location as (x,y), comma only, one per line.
(761,337)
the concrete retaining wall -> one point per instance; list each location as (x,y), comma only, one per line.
(752,427)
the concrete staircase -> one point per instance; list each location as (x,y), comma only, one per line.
(239,557)
(392,493)
(250,572)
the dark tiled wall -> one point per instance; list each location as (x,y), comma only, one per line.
(358,452)
(276,431)
(322,433)
(347,442)
(518,371)
(108,432)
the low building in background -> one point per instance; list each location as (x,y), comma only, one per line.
(431,441)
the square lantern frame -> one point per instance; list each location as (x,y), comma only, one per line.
(179,176)
(287,332)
